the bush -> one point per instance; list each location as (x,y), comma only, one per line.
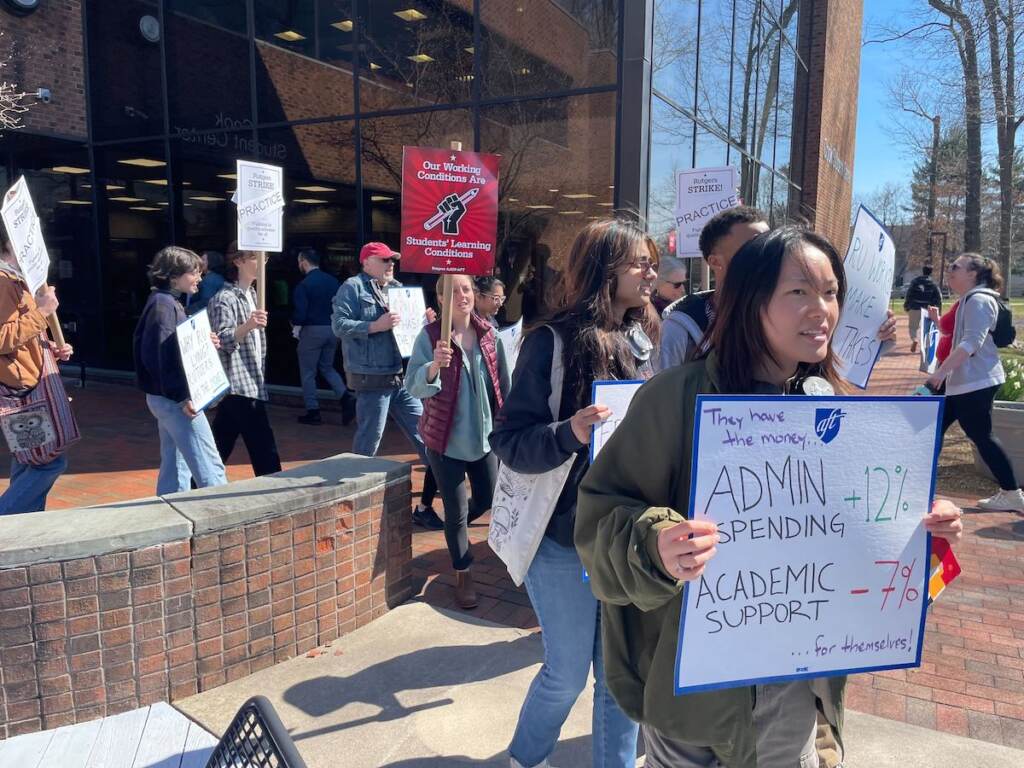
(1013,388)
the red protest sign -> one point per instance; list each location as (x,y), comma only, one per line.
(449,211)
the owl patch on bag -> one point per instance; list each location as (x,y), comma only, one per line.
(28,429)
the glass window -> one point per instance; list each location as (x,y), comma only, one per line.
(227,14)
(289,25)
(207,68)
(124,68)
(134,222)
(716,57)
(671,152)
(550,188)
(533,46)
(675,49)
(415,53)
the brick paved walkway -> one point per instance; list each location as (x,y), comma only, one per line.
(971,681)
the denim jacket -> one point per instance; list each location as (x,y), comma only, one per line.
(355,306)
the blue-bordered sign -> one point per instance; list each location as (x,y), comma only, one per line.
(617,395)
(203,369)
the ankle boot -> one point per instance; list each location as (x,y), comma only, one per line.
(465,592)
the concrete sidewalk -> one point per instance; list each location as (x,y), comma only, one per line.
(427,688)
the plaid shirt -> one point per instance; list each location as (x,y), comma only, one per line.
(245,362)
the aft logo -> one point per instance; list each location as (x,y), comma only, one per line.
(827,422)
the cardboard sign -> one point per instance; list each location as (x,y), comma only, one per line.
(449,211)
(823,563)
(700,194)
(617,395)
(203,370)
(870,265)
(928,344)
(260,200)
(26,233)
(409,305)
(512,339)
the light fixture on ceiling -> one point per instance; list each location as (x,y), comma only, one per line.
(75,202)
(381,198)
(410,14)
(374,67)
(606,205)
(309,200)
(143,208)
(114,187)
(513,199)
(540,207)
(470,49)
(552,190)
(208,199)
(126,199)
(523,71)
(290,36)
(420,58)
(229,176)
(71,169)
(316,188)
(570,213)
(580,196)
(345,25)
(465,78)
(155,182)
(143,162)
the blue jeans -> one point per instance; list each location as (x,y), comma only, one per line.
(187,449)
(570,622)
(29,485)
(372,408)
(317,345)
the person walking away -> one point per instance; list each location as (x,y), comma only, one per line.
(973,373)
(921,294)
(671,284)
(490,296)
(241,328)
(607,331)
(212,273)
(777,310)
(22,340)
(311,321)
(463,384)
(187,449)
(373,365)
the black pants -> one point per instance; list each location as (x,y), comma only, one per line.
(237,415)
(429,488)
(451,479)
(973,410)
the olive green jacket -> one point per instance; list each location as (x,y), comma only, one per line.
(637,485)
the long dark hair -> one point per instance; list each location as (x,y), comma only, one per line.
(595,347)
(737,334)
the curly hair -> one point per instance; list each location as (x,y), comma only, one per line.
(171,262)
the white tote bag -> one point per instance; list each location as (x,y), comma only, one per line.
(523,503)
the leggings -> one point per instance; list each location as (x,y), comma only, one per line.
(451,480)
(973,410)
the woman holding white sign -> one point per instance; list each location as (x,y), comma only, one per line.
(604,324)
(778,308)
(462,385)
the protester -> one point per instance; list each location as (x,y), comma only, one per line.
(373,365)
(777,310)
(921,294)
(603,323)
(490,295)
(212,281)
(462,384)
(671,284)
(946,324)
(973,372)
(241,328)
(311,322)
(187,448)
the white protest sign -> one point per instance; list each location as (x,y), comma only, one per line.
(199,358)
(928,343)
(260,201)
(409,305)
(822,567)
(23,227)
(512,339)
(700,194)
(617,395)
(870,264)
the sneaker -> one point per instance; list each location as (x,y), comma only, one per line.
(348,410)
(1004,501)
(427,518)
(913,347)
(311,417)
(513,763)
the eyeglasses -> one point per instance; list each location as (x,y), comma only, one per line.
(494,297)
(955,267)
(645,265)
(674,284)
(386,259)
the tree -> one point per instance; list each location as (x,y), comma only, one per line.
(12,97)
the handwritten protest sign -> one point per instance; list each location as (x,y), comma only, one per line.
(870,264)
(617,395)
(700,194)
(928,343)
(822,568)
(23,227)
(203,370)
(512,339)
(260,200)
(409,305)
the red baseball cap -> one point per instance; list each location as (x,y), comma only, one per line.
(378,250)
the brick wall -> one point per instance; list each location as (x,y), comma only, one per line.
(85,638)
(48,52)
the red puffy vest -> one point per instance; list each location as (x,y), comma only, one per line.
(439,411)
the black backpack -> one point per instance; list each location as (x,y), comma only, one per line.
(1003,333)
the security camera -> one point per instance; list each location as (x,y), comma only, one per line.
(44,95)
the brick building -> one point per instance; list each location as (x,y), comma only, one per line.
(594,106)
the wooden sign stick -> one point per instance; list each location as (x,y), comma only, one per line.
(261,281)
(56,332)
(446,287)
